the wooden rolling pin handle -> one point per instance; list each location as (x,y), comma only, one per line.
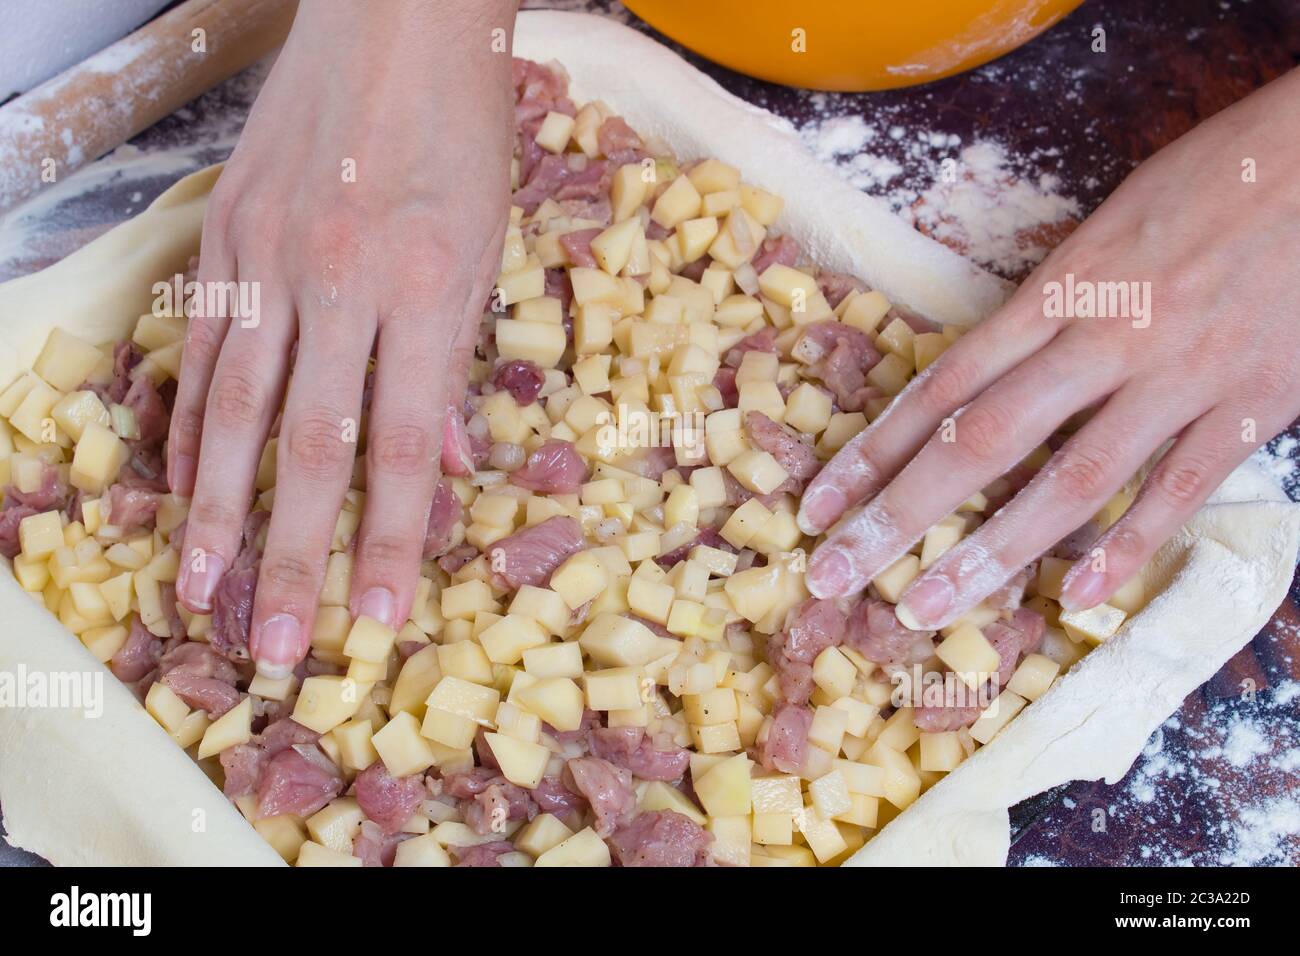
(102,102)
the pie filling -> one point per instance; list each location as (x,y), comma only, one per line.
(612,657)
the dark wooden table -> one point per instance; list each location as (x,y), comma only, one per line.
(1217,784)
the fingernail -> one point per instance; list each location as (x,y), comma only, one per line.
(379,604)
(928,600)
(278,640)
(820,509)
(830,573)
(1083,590)
(199,579)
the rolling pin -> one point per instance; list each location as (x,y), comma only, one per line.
(97,105)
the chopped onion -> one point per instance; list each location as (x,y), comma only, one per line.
(124,422)
(477,426)
(485,479)
(740,234)
(746,278)
(608,530)
(745,560)
(506,456)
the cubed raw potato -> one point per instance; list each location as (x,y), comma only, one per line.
(612,640)
(897,337)
(538,342)
(822,835)
(901,783)
(1094,626)
(66,360)
(890,374)
(941,538)
(40,534)
(75,410)
(543,833)
(834,673)
(1130,597)
(233,727)
(313,854)
(466,599)
(553,134)
(996,716)
(628,190)
(657,795)
(104,642)
(808,409)
(522,763)
(421,851)
(764,206)
(830,795)
(616,688)
(452,731)
(651,600)
(758,471)
(1034,676)
(753,593)
(584,848)
(969,655)
(892,581)
(402,747)
(369,640)
(1051,572)
(554,660)
(355,740)
(926,348)
(941,752)
(579,579)
(556,700)
(713,175)
(165,707)
(725,789)
(745,522)
(463,698)
(99,456)
(865,311)
(679,202)
(505,641)
(326,700)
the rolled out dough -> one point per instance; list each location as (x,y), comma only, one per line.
(116,790)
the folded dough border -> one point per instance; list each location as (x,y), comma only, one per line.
(116,790)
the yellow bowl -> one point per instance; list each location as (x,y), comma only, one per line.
(851,44)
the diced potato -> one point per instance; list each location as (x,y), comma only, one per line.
(892,581)
(1034,676)
(553,135)
(66,360)
(421,851)
(969,655)
(579,579)
(615,688)
(313,854)
(612,640)
(522,763)
(40,534)
(1094,626)
(556,700)
(401,746)
(369,640)
(725,790)
(233,727)
(996,716)
(325,701)
(679,202)
(584,848)
(99,456)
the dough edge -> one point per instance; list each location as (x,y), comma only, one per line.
(118,791)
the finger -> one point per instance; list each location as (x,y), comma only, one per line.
(313,468)
(402,449)
(457,454)
(1083,475)
(242,401)
(204,335)
(973,363)
(983,441)
(1198,462)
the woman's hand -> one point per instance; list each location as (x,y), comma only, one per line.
(1214,363)
(367,198)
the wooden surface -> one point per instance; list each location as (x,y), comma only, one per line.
(1092,118)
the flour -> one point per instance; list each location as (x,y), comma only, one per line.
(975,197)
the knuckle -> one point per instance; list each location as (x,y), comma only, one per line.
(1183,483)
(238,396)
(388,551)
(185,430)
(947,387)
(983,432)
(404,449)
(1085,473)
(314,444)
(1126,543)
(202,342)
(290,574)
(211,515)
